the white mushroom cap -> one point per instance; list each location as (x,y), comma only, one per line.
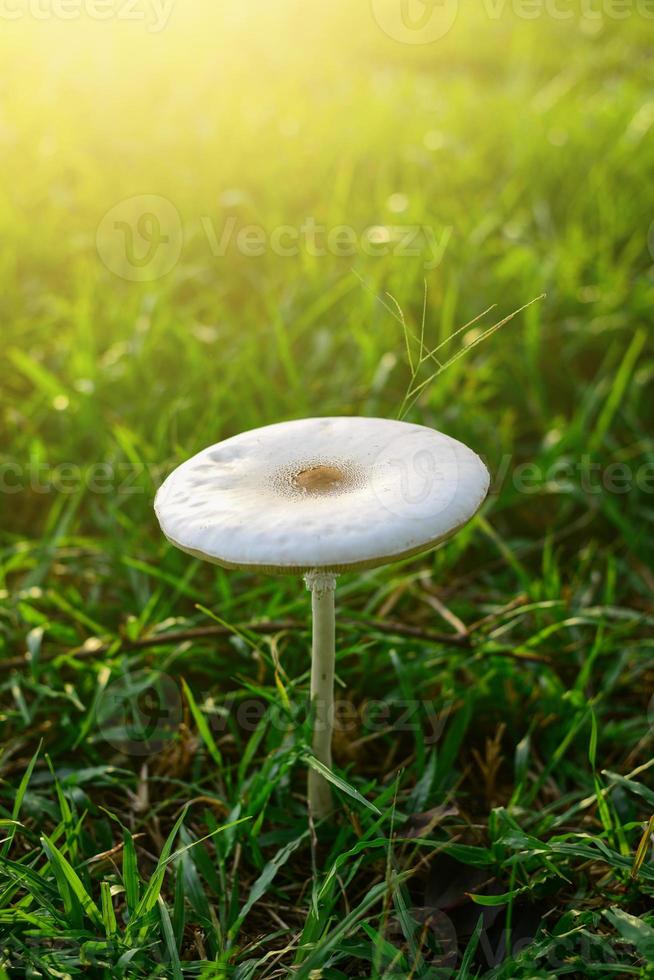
(328,493)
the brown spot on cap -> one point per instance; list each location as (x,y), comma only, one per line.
(319,479)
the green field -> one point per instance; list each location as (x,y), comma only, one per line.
(250,214)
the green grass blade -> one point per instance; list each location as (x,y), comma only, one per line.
(338,782)
(171,945)
(131,879)
(202,726)
(67,874)
(18,801)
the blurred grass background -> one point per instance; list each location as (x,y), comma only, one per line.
(525,147)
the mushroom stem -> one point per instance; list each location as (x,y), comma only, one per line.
(322,586)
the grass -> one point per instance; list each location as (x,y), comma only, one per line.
(493,763)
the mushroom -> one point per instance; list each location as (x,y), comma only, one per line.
(317,497)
